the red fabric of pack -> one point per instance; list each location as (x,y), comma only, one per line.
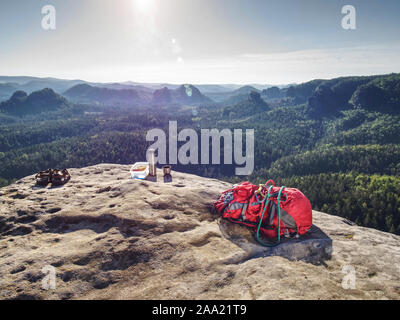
(245,202)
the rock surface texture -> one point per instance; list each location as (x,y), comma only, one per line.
(109,237)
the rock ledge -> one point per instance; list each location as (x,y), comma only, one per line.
(109,237)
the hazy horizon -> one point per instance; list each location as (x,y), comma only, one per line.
(184,82)
(199,42)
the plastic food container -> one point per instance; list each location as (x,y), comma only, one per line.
(140,170)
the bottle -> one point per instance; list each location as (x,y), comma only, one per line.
(152,162)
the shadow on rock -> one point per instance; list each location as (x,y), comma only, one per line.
(315,247)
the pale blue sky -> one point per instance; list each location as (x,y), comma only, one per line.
(199,41)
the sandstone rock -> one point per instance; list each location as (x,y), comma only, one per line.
(109,237)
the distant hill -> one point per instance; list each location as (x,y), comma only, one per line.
(273,93)
(244,90)
(252,105)
(227,93)
(31,84)
(121,86)
(302,92)
(325,98)
(162,96)
(6,90)
(234,99)
(189,94)
(213,88)
(87,93)
(21,103)
(233,96)
(18,79)
(58,86)
(380,94)
(185,94)
(375,93)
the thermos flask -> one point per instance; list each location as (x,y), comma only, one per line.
(152,162)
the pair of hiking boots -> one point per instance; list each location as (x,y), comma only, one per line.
(54,176)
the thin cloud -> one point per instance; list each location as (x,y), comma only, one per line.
(276,68)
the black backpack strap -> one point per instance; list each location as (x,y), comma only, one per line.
(271,213)
(286,218)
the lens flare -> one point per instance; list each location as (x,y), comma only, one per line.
(144,6)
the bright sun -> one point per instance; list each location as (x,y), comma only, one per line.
(144,6)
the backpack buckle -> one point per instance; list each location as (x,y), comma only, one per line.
(259,191)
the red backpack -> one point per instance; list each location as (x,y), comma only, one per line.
(273,211)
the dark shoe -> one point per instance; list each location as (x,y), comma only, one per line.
(60,177)
(43,178)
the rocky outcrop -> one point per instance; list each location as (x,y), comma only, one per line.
(273,93)
(161,96)
(86,93)
(184,94)
(109,237)
(253,104)
(21,103)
